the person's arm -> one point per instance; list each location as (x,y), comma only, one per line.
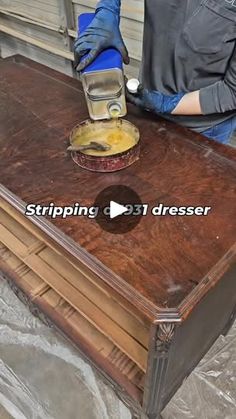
(112,5)
(102,33)
(221,96)
(217,98)
(189,105)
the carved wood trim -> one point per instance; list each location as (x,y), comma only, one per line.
(164,336)
(161,340)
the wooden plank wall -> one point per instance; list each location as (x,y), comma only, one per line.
(35,29)
(43,31)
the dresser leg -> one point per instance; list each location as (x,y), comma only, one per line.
(230,323)
(160,343)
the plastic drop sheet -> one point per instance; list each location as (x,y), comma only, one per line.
(42,376)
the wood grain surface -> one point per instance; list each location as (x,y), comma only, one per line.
(38,296)
(164,259)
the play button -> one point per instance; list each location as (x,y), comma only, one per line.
(116,209)
(115,205)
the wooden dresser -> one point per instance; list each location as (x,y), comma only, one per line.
(144,306)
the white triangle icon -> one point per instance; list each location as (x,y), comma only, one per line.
(116,209)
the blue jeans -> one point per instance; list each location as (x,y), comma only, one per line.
(222,132)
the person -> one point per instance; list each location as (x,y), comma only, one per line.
(188,70)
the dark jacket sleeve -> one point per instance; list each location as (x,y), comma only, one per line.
(221,96)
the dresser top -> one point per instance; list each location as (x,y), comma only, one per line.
(165,262)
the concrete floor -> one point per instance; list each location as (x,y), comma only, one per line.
(42,376)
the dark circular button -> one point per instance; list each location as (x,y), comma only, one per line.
(120,209)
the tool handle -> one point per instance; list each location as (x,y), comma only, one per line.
(80,147)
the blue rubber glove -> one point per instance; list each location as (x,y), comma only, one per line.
(101,34)
(154,101)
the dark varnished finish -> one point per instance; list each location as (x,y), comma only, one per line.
(163,259)
(175,349)
(178,272)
